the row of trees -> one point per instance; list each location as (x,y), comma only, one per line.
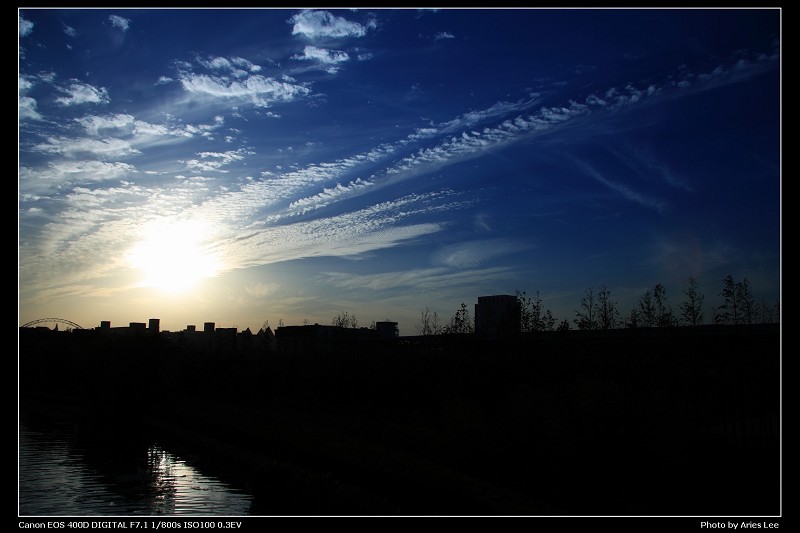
(430,324)
(597,310)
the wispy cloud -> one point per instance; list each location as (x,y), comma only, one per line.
(624,190)
(328,59)
(69,30)
(139,133)
(82,93)
(25,26)
(236,66)
(418,280)
(119,22)
(377,226)
(443,35)
(27,109)
(473,253)
(329,195)
(108,148)
(34,182)
(644,162)
(320,24)
(213,161)
(233,80)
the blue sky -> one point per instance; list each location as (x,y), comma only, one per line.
(240,166)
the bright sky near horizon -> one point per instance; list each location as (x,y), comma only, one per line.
(245,165)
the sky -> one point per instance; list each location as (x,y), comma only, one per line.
(243,166)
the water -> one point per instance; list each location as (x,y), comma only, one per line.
(64,473)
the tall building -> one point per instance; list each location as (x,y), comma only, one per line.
(208,327)
(154,325)
(497,316)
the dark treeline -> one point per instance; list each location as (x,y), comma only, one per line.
(644,421)
(598,310)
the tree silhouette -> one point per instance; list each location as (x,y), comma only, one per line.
(606,312)
(664,317)
(647,310)
(634,319)
(692,307)
(728,312)
(586,318)
(532,315)
(428,323)
(745,302)
(345,320)
(460,322)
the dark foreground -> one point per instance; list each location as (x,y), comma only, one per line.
(681,421)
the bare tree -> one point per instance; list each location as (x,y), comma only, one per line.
(647,310)
(345,320)
(729,310)
(606,312)
(745,302)
(586,318)
(460,322)
(692,307)
(532,314)
(428,323)
(664,316)
(549,321)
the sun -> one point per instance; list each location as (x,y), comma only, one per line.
(174,256)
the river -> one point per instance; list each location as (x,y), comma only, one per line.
(67,469)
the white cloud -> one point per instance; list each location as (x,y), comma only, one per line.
(69,30)
(317,24)
(27,105)
(119,22)
(25,26)
(260,91)
(109,148)
(329,57)
(163,79)
(27,109)
(71,172)
(119,123)
(82,93)
(329,195)
(236,66)
(443,35)
(212,161)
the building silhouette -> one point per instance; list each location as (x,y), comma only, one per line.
(497,316)
(387,329)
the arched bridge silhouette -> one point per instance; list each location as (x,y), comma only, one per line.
(57,321)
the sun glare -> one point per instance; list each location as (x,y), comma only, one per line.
(173,256)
